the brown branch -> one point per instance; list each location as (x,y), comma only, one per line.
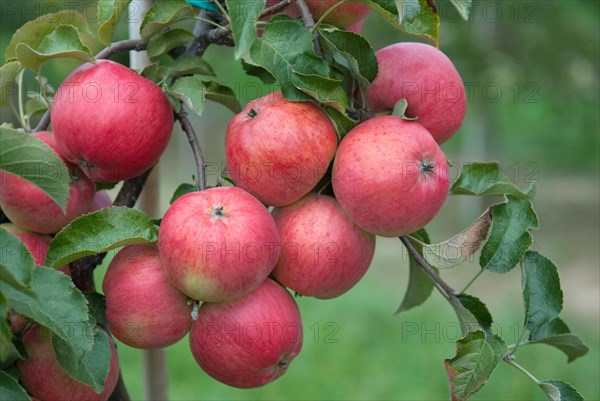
(427,268)
(120,392)
(309,23)
(181,115)
(274,9)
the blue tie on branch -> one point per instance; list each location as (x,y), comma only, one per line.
(204,4)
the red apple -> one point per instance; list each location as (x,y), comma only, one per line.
(428,80)
(249,342)
(279,150)
(36,244)
(110,121)
(323,253)
(101,200)
(42,376)
(343,16)
(390,176)
(29,207)
(143,309)
(218,245)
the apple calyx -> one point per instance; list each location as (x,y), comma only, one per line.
(426,167)
(283,364)
(217,212)
(252,113)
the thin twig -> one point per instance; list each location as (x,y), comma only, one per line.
(274,9)
(309,23)
(427,268)
(112,49)
(121,46)
(181,115)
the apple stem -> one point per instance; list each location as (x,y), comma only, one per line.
(181,115)
(195,307)
(427,268)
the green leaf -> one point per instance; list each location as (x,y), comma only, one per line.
(286,50)
(99,232)
(109,15)
(31,159)
(325,90)
(487,179)
(181,190)
(477,355)
(63,42)
(353,52)
(6,344)
(191,91)
(416,17)
(243,15)
(162,14)
(36,105)
(542,294)
(478,309)
(167,41)
(187,64)
(8,87)
(420,285)
(257,71)
(33,32)
(97,308)
(557,390)
(509,238)
(342,123)
(570,344)
(11,390)
(59,306)
(16,262)
(458,249)
(463,7)
(222,94)
(93,368)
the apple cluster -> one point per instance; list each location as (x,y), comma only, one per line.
(237,250)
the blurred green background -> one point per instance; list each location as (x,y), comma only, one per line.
(531,69)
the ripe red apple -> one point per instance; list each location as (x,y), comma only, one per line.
(279,150)
(390,176)
(428,80)
(219,244)
(100,201)
(36,244)
(143,309)
(249,342)
(42,376)
(323,253)
(31,208)
(110,121)
(343,16)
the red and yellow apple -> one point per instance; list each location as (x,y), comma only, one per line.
(323,253)
(110,121)
(278,150)
(249,342)
(218,245)
(29,207)
(143,309)
(390,176)
(428,80)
